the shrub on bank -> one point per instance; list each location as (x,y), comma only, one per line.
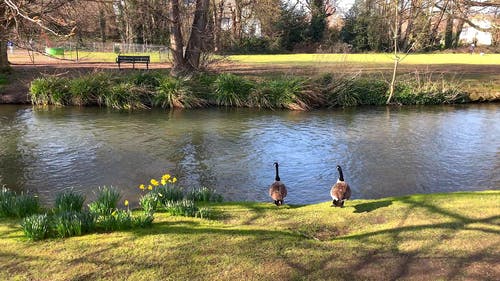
(50,90)
(17,206)
(231,90)
(155,89)
(429,91)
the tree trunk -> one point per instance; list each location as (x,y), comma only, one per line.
(196,42)
(396,57)
(190,60)
(4,62)
(448,32)
(456,37)
(218,13)
(176,40)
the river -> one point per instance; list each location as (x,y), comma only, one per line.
(384,151)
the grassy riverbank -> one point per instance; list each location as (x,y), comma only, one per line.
(158,89)
(452,236)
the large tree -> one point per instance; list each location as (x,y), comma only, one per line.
(188,60)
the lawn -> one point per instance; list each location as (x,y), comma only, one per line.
(377,58)
(453,236)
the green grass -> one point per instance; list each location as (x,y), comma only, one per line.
(313,59)
(453,236)
(370,58)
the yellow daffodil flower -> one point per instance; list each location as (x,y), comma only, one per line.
(150,187)
(165,176)
(163,182)
(174,179)
(142,186)
(155,182)
(126,202)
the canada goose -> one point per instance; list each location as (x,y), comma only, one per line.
(277,190)
(340,190)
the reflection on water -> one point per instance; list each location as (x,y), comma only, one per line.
(383,151)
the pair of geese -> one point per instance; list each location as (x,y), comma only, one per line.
(339,192)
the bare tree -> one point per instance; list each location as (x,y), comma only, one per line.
(188,60)
(37,13)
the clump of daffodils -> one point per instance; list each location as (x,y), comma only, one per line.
(154,183)
(160,191)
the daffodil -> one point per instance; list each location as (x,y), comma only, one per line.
(155,182)
(125,202)
(174,179)
(150,187)
(165,176)
(163,181)
(142,186)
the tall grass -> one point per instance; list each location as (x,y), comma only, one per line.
(425,89)
(89,89)
(7,202)
(168,193)
(125,95)
(67,224)
(26,204)
(283,92)
(231,90)
(68,201)
(174,93)
(143,90)
(50,90)
(204,194)
(185,208)
(17,205)
(106,202)
(36,227)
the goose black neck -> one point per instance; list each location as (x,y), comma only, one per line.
(341,175)
(277,178)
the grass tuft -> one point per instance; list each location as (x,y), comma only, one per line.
(204,194)
(69,201)
(231,90)
(106,202)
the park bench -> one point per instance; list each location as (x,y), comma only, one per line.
(133,60)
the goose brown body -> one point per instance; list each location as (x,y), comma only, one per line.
(340,190)
(277,190)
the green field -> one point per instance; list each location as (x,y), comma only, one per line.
(311,59)
(452,236)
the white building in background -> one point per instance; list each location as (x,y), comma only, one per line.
(470,34)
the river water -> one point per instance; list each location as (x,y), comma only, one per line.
(384,151)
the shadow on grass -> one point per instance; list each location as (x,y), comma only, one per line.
(191,227)
(368,207)
(406,262)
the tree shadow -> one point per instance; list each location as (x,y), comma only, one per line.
(368,207)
